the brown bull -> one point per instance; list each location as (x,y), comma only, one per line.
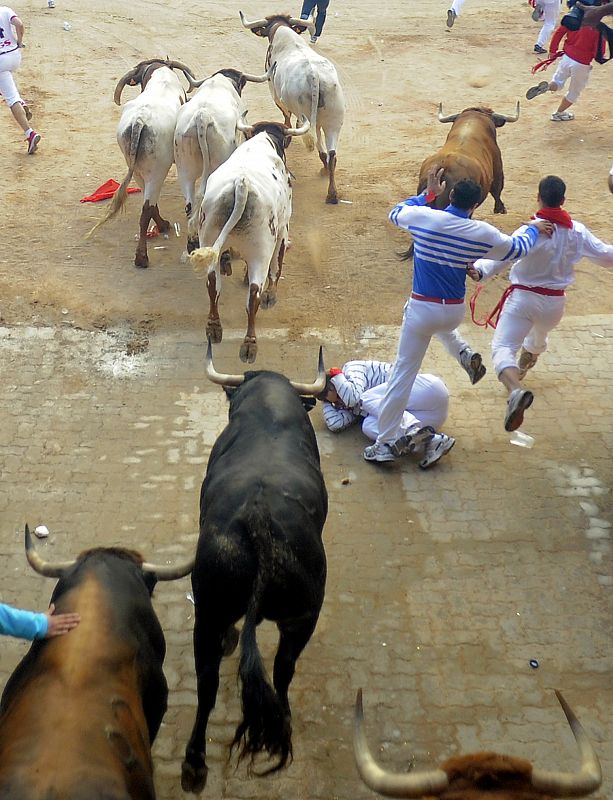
(79,713)
(470,151)
(481,776)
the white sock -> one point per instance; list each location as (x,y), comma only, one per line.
(28,132)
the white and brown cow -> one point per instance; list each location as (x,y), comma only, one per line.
(246,208)
(305,84)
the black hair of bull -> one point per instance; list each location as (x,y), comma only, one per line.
(277,132)
(234,75)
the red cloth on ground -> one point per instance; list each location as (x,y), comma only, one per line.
(556,215)
(581,45)
(105,191)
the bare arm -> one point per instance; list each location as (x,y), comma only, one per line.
(593,15)
(19,29)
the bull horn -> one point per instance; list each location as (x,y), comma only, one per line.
(258,23)
(441,118)
(509,118)
(308,389)
(165,572)
(38,564)
(256,78)
(306,124)
(417,784)
(309,23)
(122,82)
(566,784)
(219,377)
(242,125)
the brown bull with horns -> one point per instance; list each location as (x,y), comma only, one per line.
(481,776)
(80,712)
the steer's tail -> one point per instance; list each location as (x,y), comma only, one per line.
(266,724)
(204,126)
(206,257)
(120,195)
(309,136)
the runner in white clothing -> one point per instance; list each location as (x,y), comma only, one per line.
(11,42)
(355,393)
(536,296)
(551,12)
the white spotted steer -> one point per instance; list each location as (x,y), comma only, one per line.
(206,135)
(145,136)
(303,83)
(247,207)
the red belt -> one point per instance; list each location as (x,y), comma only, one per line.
(492,318)
(441,300)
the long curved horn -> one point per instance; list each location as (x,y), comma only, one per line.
(307,389)
(306,124)
(309,23)
(41,566)
(219,377)
(416,784)
(441,118)
(258,23)
(166,572)
(256,78)
(242,125)
(567,784)
(122,82)
(513,118)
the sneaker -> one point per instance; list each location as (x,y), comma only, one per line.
(50,3)
(451,17)
(314,39)
(534,91)
(472,363)
(527,360)
(379,452)
(33,140)
(439,445)
(519,400)
(413,440)
(537,14)
(540,50)
(562,116)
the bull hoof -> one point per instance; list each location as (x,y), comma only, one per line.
(268,299)
(193,780)
(164,228)
(225,263)
(249,350)
(214,330)
(141,260)
(499,208)
(332,199)
(230,641)
(192,244)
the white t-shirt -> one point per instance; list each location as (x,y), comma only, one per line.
(8,41)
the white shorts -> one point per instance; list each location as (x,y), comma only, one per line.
(578,73)
(9,62)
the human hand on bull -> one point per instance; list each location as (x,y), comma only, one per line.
(59,624)
(435,185)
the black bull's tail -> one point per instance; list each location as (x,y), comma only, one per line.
(265,725)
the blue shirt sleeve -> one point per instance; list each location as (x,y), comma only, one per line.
(22,624)
(417,200)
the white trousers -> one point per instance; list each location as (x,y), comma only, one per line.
(428,405)
(457,6)
(421,321)
(9,62)
(526,319)
(578,73)
(551,12)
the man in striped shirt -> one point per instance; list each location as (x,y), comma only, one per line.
(446,242)
(355,392)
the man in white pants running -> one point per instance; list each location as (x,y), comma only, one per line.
(11,43)
(536,303)
(551,11)
(454,12)
(355,393)
(446,242)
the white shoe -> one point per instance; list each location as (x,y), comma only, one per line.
(439,445)
(379,452)
(519,400)
(50,3)
(562,116)
(451,17)
(313,39)
(413,440)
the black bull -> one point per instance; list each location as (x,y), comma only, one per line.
(80,712)
(260,554)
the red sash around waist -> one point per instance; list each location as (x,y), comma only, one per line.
(492,318)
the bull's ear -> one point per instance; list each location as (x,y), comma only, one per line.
(230,391)
(498,121)
(308,403)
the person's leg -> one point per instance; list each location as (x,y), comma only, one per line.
(322,8)
(550,18)
(429,400)
(459,349)
(579,76)
(307,8)
(457,6)
(551,312)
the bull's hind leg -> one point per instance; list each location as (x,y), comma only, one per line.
(332,196)
(249,347)
(293,638)
(498,185)
(163,224)
(213,324)
(208,651)
(141,258)
(269,296)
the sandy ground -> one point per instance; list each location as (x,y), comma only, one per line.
(445,561)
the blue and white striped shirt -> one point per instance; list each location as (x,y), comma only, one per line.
(350,385)
(447,241)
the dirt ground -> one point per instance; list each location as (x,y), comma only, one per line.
(443,585)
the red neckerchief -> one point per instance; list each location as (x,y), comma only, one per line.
(556,215)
